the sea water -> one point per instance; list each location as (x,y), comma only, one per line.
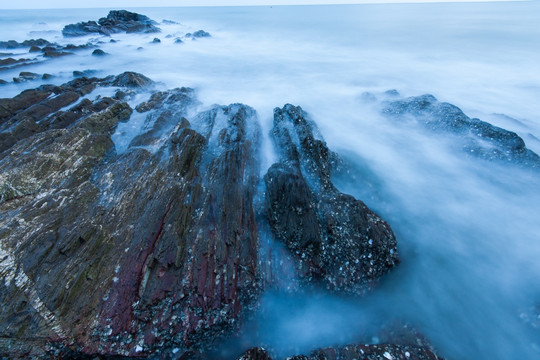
(468,230)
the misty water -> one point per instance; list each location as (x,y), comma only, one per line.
(467,229)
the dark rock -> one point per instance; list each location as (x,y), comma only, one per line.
(478,138)
(51,52)
(131,80)
(336,240)
(99,52)
(140,48)
(11,44)
(87,72)
(156,41)
(78,47)
(169,22)
(35,49)
(178,41)
(112,41)
(47,76)
(200,34)
(2,82)
(35,42)
(119,95)
(116,21)
(26,76)
(12,61)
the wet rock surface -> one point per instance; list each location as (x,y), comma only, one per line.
(123,253)
(117,21)
(336,240)
(479,138)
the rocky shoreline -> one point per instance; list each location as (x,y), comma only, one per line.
(115,246)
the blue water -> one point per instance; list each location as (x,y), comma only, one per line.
(468,231)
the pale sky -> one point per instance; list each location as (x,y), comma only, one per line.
(59,4)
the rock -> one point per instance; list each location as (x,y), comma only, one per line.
(99,52)
(35,42)
(34,49)
(26,76)
(178,41)
(2,82)
(78,47)
(478,138)
(124,254)
(12,44)
(336,240)
(156,41)
(169,22)
(87,72)
(47,76)
(116,21)
(201,33)
(131,80)
(119,95)
(198,34)
(12,61)
(51,52)
(391,93)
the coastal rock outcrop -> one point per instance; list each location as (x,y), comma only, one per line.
(122,243)
(116,21)
(336,240)
(124,253)
(478,138)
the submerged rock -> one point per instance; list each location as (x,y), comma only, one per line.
(99,52)
(116,21)
(480,139)
(198,34)
(336,240)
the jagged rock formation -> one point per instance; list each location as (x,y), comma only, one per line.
(336,240)
(116,21)
(150,243)
(124,253)
(479,138)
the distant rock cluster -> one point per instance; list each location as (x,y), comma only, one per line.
(117,21)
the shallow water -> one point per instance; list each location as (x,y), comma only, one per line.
(467,230)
